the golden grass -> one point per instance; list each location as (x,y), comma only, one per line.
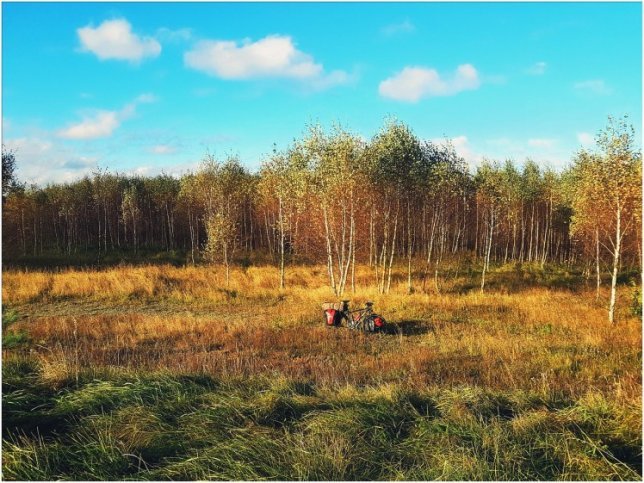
(188,320)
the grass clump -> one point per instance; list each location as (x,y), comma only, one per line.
(11,339)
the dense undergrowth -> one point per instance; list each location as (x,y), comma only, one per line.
(159,372)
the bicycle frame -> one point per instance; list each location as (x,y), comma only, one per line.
(363,316)
(360,319)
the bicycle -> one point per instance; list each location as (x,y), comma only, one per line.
(360,319)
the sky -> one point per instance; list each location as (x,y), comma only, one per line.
(154,87)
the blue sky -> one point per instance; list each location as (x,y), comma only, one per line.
(151,87)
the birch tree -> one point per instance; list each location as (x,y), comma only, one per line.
(393,154)
(336,161)
(283,186)
(609,192)
(225,185)
(489,180)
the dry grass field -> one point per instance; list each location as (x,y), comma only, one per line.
(165,372)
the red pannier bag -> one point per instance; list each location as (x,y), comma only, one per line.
(330,316)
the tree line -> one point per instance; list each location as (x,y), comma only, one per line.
(333,197)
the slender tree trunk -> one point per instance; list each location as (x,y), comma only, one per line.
(282,240)
(391,255)
(430,246)
(616,254)
(170,228)
(383,255)
(136,246)
(268,236)
(409,248)
(522,251)
(227,264)
(546,235)
(22,231)
(345,270)
(371,237)
(486,262)
(514,240)
(329,251)
(192,237)
(476,231)
(353,266)
(599,280)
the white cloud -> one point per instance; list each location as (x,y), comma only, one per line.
(103,123)
(272,56)
(114,39)
(594,86)
(585,139)
(40,160)
(541,142)
(539,68)
(398,28)
(413,83)
(163,149)
(463,148)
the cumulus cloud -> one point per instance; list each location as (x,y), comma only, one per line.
(398,28)
(539,68)
(103,123)
(114,39)
(42,160)
(414,83)
(594,86)
(272,56)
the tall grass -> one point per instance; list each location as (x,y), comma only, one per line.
(158,372)
(163,426)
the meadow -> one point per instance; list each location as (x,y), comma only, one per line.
(165,372)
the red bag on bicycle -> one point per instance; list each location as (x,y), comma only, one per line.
(330,316)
